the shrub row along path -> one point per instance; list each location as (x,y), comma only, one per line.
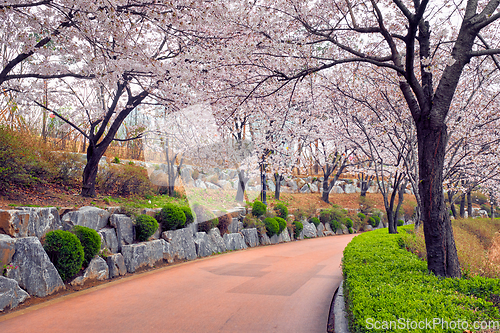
(280,288)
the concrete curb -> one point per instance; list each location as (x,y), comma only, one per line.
(337,322)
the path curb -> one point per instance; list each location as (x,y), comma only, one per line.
(337,322)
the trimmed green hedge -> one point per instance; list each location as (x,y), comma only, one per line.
(258,208)
(65,251)
(90,240)
(389,289)
(145,227)
(272,226)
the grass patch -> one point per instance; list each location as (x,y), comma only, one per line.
(386,284)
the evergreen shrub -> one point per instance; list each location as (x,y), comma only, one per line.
(281,210)
(272,226)
(90,240)
(145,227)
(258,208)
(171,217)
(65,251)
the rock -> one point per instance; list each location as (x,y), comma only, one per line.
(265,240)
(274,239)
(224,184)
(125,231)
(301,183)
(29,221)
(284,236)
(186,172)
(182,243)
(234,241)
(116,265)
(314,188)
(292,184)
(109,239)
(11,295)
(203,245)
(350,188)
(97,270)
(251,237)
(145,254)
(345,231)
(367,228)
(373,189)
(212,186)
(483,214)
(159,178)
(150,211)
(113,210)
(168,254)
(321,229)
(337,190)
(217,241)
(234,226)
(238,212)
(200,184)
(309,230)
(328,227)
(305,189)
(35,273)
(90,217)
(7,250)
(329,233)
(270,185)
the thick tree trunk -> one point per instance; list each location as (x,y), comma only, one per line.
(452,204)
(326,189)
(442,257)
(277,179)
(462,205)
(242,180)
(469,204)
(90,171)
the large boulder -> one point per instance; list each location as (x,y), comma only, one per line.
(109,239)
(203,245)
(10,293)
(270,185)
(90,217)
(182,243)
(305,189)
(7,249)
(125,230)
(98,270)
(337,190)
(145,254)
(235,225)
(35,273)
(284,236)
(116,265)
(309,230)
(350,188)
(265,240)
(275,239)
(168,254)
(234,241)
(314,187)
(218,243)
(321,229)
(29,221)
(251,237)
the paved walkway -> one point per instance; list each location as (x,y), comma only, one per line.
(279,288)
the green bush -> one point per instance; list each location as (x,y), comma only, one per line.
(350,230)
(189,214)
(361,216)
(377,218)
(272,226)
(145,227)
(372,222)
(205,218)
(400,223)
(171,217)
(90,240)
(281,210)
(325,216)
(335,225)
(298,228)
(379,275)
(65,251)
(315,221)
(258,208)
(348,223)
(281,223)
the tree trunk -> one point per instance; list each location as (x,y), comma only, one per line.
(462,205)
(277,179)
(242,180)
(452,204)
(326,191)
(90,171)
(469,204)
(442,258)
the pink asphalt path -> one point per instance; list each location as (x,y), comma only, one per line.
(280,288)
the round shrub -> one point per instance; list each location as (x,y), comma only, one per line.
(258,208)
(171,217)
(298,228)
(372,222)
(65,251)
(350,230)
(377,219)
(145,227)
(335,225)
(281,223)
(348,223)
(90,240)
(189,214)
(400,223)
(315,221)
(272,226)
(361,216)
(281,210)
